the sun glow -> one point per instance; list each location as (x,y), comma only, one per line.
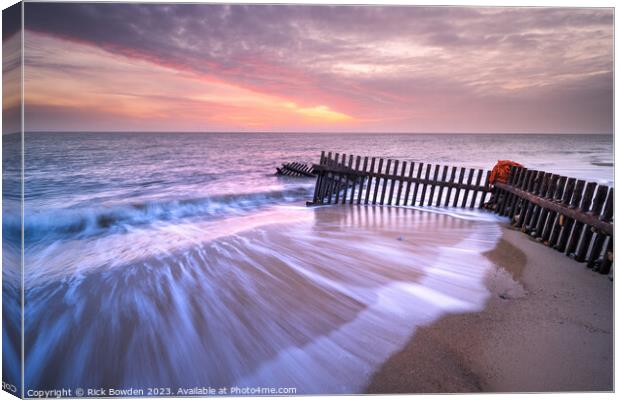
(78,76)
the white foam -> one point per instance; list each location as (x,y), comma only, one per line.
(344,360)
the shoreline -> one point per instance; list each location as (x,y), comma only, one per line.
(547,326)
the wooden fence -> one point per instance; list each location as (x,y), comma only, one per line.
(295,169)
(363,180)
(570,215)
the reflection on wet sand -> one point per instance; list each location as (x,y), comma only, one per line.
(317,300)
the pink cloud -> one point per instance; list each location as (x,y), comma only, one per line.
(390,68)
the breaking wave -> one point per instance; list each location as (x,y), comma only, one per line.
(92,221)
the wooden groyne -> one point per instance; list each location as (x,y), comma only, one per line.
(568,214)
(352,179)
(295,169)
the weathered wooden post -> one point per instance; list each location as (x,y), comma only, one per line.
(578,228)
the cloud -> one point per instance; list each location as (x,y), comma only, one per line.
(406,64)
(11,84)
(69,77)
(11,20)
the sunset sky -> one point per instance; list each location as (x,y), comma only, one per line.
(194,67)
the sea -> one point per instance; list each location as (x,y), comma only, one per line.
(177,262)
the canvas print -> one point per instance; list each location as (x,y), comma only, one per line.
(293,199)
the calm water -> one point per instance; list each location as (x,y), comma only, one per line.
(150,261)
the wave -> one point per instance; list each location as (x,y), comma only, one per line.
(93,221)
(317,304)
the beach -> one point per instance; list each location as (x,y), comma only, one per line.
(211,270)
(554,335)
(335,299)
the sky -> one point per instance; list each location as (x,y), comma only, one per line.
(192,67)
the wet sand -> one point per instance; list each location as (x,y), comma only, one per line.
(552,331)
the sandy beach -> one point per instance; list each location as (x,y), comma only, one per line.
(552,332)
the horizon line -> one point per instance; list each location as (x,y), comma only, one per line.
(316,132)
